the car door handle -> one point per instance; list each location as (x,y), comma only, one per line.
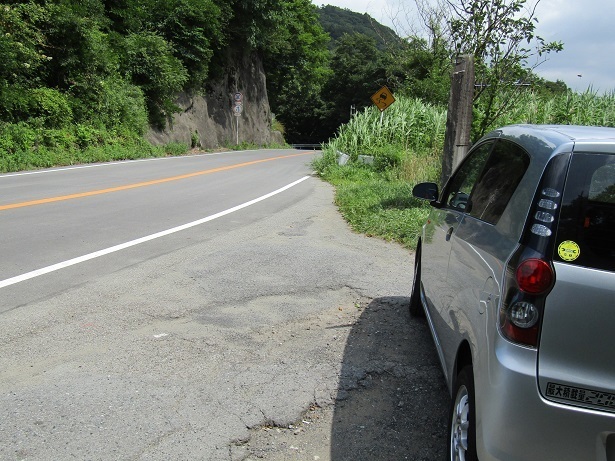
(449,233)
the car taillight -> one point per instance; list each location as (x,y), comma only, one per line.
(528,281)
(534,276)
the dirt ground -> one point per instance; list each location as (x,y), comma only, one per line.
(391,403)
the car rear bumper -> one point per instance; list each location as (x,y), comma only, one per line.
(515,423)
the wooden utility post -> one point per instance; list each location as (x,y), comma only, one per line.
(459,116)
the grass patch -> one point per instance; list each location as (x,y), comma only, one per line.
(380,203)
(376,199)
(382,208)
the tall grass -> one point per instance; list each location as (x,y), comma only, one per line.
(406,143)
(408,124)
(406,140)
(570,108)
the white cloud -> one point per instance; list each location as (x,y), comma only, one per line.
(585,28)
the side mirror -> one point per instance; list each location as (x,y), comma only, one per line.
(426,191)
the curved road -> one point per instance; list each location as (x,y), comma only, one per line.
(53,219)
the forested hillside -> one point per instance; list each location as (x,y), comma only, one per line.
(79,73)
(339,21)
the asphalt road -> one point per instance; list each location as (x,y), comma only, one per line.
(52,217)
(196,344)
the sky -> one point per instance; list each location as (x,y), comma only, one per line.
(584,26)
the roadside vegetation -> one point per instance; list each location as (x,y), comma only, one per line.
(406,146)
(84,80)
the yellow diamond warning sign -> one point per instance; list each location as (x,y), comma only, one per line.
(383,98)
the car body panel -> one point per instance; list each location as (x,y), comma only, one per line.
(464,262)
(581,306)
(438,294)
(517,424)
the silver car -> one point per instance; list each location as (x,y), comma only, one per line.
(515,273)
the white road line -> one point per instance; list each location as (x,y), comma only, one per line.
(123,246)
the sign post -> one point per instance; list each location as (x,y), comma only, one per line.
(237,110)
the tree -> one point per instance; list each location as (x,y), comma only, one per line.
(195,28)
(166,46)
(149,61)
(358,71)
(296,59)
(340,21)
(501,34)
(22,53)
(421,71)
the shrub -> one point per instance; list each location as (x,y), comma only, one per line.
(16,137)
(387,157)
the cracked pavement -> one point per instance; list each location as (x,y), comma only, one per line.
(290,326)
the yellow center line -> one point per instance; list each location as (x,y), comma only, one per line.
(141,184)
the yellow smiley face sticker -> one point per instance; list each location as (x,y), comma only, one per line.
(568,250)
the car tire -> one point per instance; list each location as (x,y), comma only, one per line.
(416,307)
(462,420)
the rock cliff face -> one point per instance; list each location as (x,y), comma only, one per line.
(209,119)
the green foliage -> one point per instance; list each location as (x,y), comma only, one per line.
(423,71)
(43,106)
(16,137)
(376,200)
(93,50)
(89,75)
(569,108)
(24,147)
(195,28)
(78,46)
(359,71)
(338,22)
(501,34)
(252,21)
(382,208)
(276,125)
(379,203)
(150,63)
(296,62)
(50,106)
(408,124)
(21,43)
(118,104)
(387,157)
(171,149)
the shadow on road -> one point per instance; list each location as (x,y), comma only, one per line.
(392,399)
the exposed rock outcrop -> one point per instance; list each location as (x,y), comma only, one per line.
(208,119)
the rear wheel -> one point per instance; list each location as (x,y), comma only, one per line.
(462,422)
(416,308)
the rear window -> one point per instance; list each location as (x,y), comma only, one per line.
(586,232)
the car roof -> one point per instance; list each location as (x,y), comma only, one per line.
(545,140)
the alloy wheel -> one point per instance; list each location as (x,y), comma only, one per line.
(460,426)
